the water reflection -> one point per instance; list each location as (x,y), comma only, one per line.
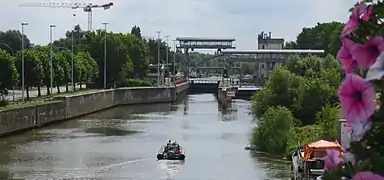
(121,143)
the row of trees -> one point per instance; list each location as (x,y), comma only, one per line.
(128,57)
(299,102)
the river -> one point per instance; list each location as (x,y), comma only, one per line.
(121,143)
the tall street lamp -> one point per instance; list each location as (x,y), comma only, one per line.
(105,54)
(51,55)
(158,57)
(22,59)
(174,62)
(72,61)
(166,52)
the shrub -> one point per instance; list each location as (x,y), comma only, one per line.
(274,130)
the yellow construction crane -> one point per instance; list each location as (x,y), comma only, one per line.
(87,7)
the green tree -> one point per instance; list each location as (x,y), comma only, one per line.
(33,71)
(138,53)
(324,36)
(136,31)
(9,77)
(328,121)
(43,53)
(13,39)
(274,130)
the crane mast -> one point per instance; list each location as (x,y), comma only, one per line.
(87,7)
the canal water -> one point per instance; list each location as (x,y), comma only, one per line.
(122,143)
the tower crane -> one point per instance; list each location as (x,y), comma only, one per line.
(87,7)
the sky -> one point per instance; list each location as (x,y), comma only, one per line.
(180,18)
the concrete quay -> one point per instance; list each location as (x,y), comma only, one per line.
(72,106)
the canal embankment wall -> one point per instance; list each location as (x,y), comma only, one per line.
(72,106)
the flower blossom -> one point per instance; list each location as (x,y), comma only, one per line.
(359,129)
(376,71)
(357,98)
(345,56)
(368,14)
(366,175)
(332,160)
(353,22)
(366,54)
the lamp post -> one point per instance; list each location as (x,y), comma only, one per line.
(51,55)
(22,59)
(72,58)
(13,54)
(158,57)
(174,62)
(166,61)
(105,54)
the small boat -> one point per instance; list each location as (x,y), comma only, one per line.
(173,152)
(308,161)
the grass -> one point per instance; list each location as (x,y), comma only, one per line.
(24,105)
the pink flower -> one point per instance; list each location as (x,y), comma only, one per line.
(359,129)
(357,98)
(366,54)
(366,175)
(353,22)
(332,160)
(368,14)
(345,56)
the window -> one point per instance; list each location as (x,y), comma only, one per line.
(262,47)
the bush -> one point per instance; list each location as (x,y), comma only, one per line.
(274,131)
(3,103)
(328,121)
(134,83)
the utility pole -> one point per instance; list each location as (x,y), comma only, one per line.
(166,61)
(51,55)
(105,55)
(22,60)
(72,61)
(174,61)
(158,57)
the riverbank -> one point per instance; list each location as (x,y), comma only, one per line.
(72,106)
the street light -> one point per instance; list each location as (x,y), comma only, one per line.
(51,55)
(13,54)
(158,57)
(166,61)
(72,62)
(105,54)
(174,62)
(22,59)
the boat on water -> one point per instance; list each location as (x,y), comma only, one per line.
(308,160)
(171,152)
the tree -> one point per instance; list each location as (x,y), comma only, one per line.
(274,130)
(138,53)
(323,36)
(328,120)
(33,69)
(9,77)
(13,39)
(42,53)
(136,32)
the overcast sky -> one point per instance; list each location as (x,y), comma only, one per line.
(202,18)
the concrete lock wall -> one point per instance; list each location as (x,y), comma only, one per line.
(77,105)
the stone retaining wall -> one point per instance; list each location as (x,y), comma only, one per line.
(82,104)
